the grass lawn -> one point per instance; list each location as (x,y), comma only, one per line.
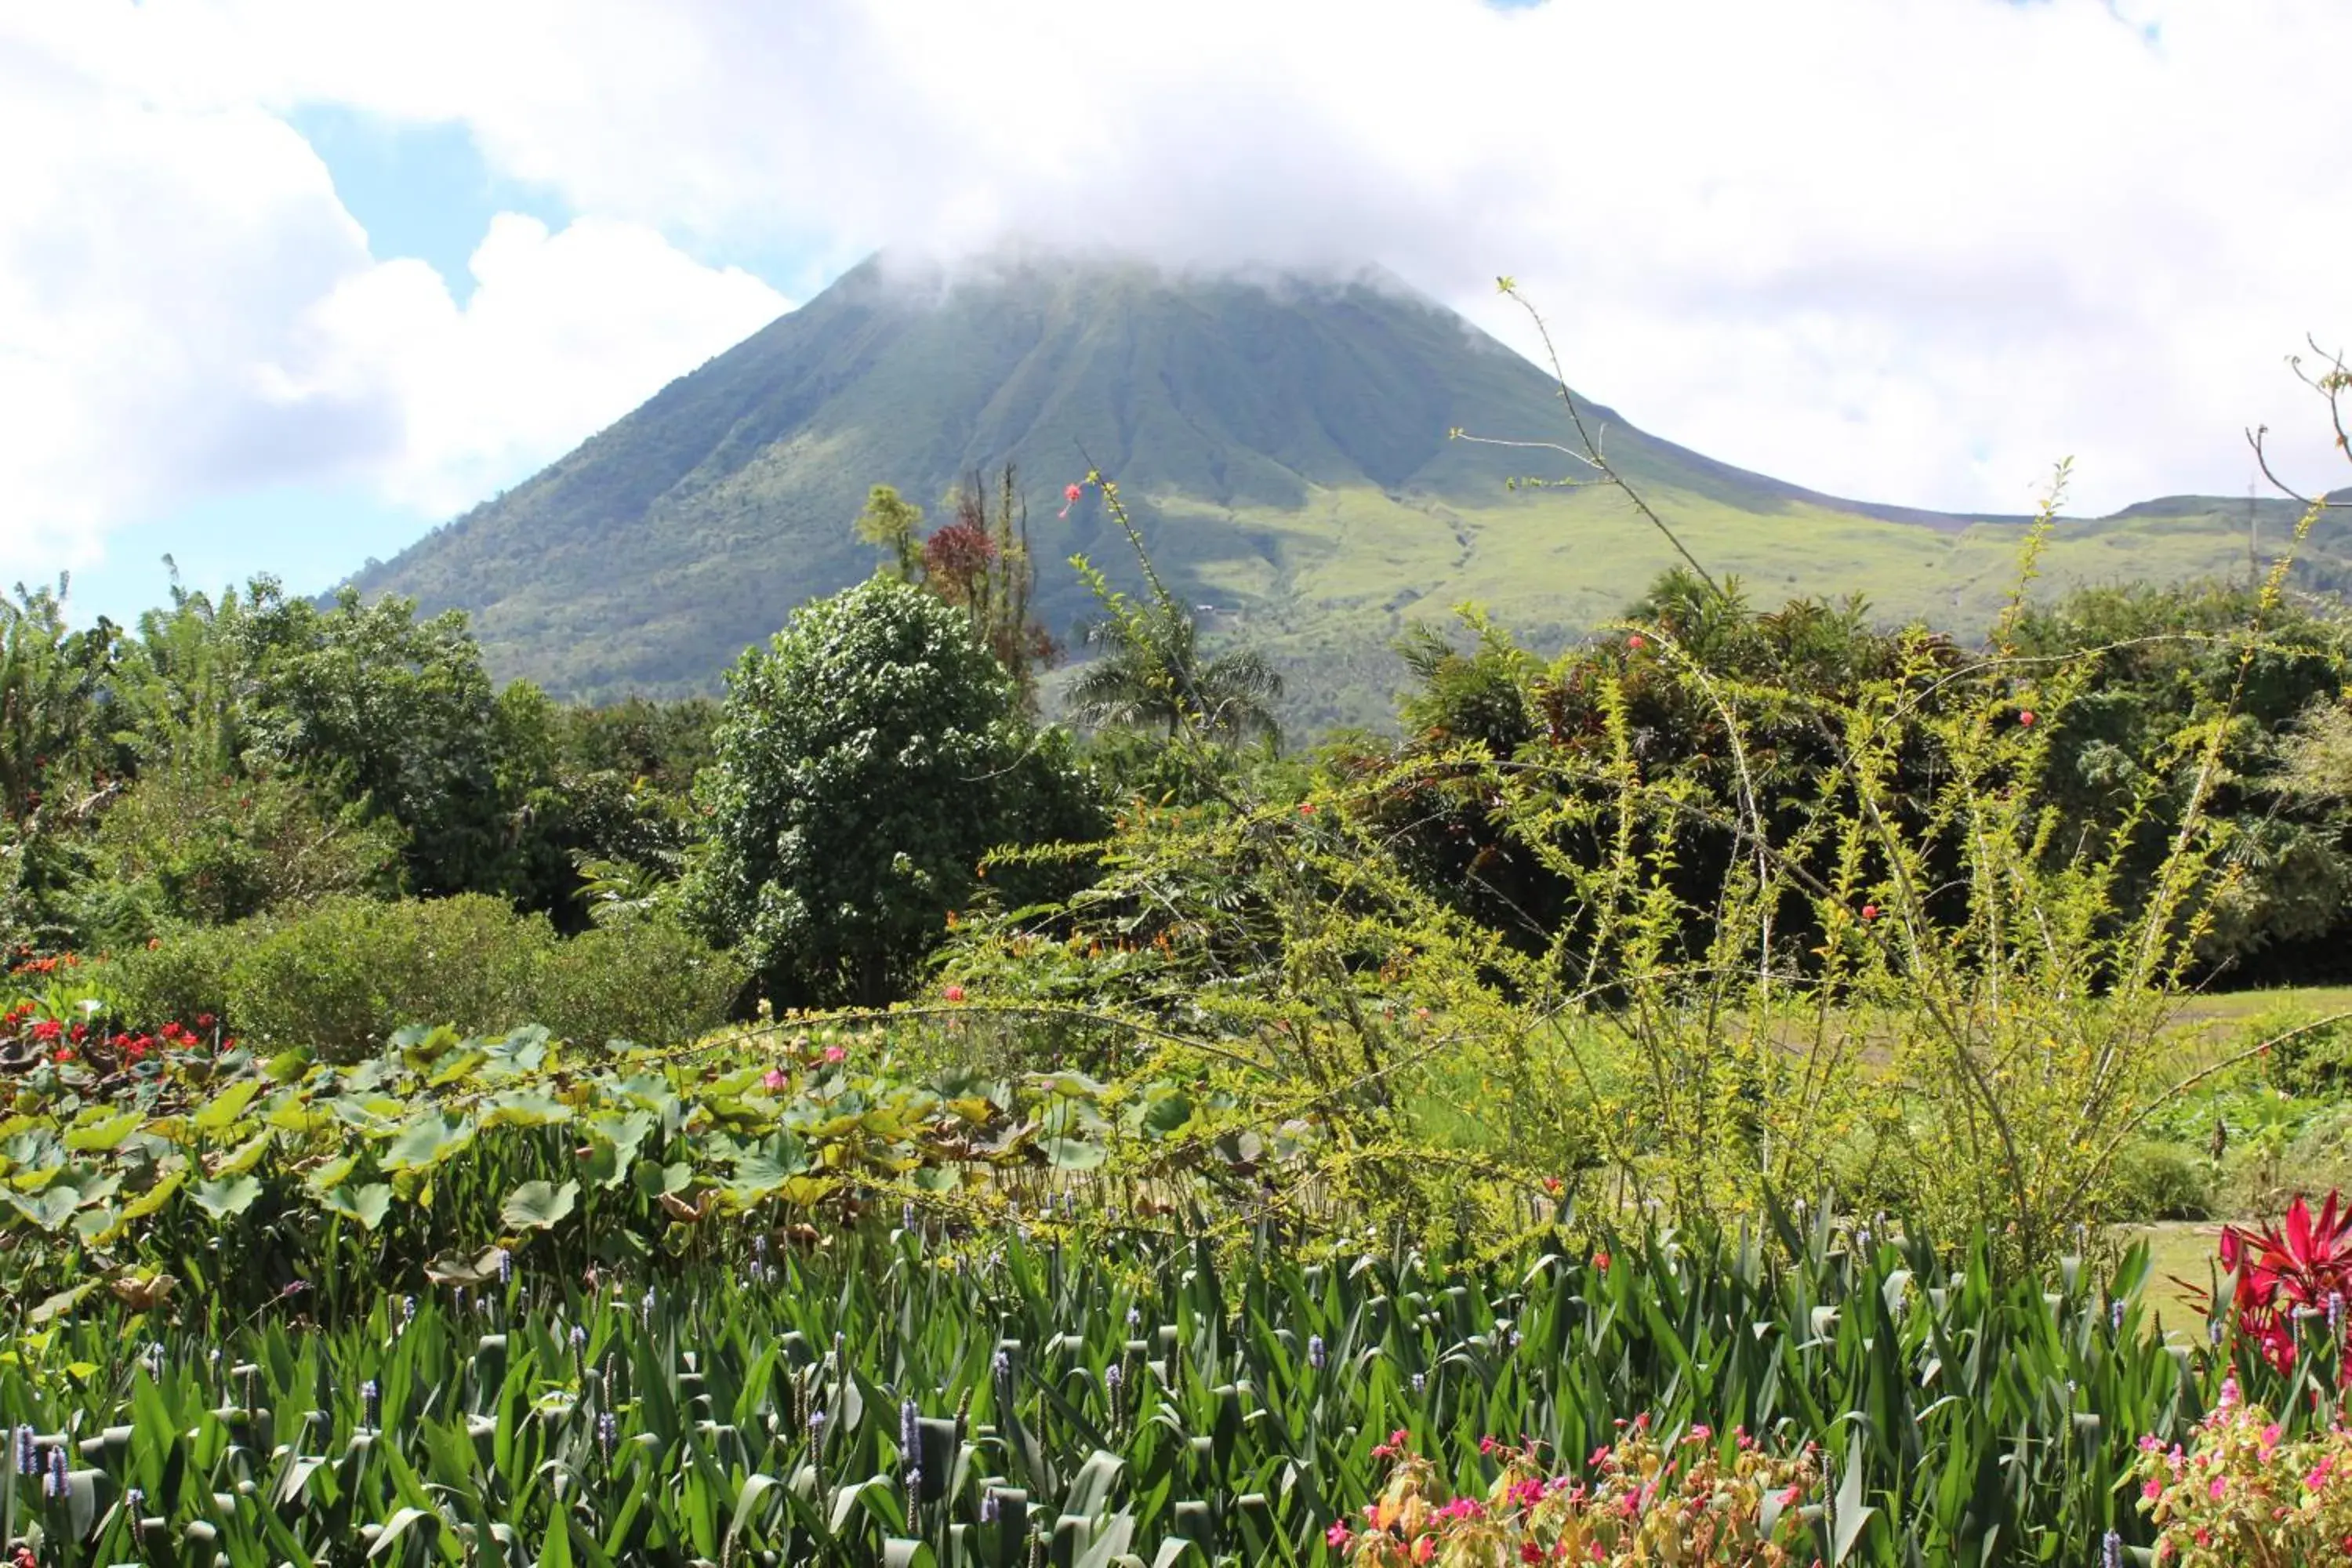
(2180,1255)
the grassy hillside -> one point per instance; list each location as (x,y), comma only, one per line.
(1285,443)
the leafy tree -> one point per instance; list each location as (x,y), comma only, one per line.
(390,708)
(184,843)
(869,758)
(52,682)
(978,561)
(598,796)
(2174,663)
(888,523)
(1151,674)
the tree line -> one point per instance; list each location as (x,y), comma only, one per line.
(249,754)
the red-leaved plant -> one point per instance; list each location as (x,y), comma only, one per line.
(2300,1269)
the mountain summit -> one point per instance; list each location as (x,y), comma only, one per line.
(1282,440)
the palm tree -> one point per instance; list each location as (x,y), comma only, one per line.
(1151,676)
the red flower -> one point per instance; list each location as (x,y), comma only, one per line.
(206,1020)
(48,1029)
(1070,494)
(2283,1268)
(2025,717)
(953,993)
(1870,911)
(1600,1262)
(1637,642)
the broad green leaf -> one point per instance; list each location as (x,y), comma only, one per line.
(523,1108)
(427,1140)
(224,1197)
(368,1204)
(537,1205)
(245,1155)
(103,1134)
(1075,1155)
(220,1114)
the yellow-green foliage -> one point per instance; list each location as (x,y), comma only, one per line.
(1733,927)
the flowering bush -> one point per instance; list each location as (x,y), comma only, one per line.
(2242,1493)
(2302,1266)
(32,1031)
(1699,1501)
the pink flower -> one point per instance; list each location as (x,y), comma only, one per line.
(2149,1490)
(1337,1536)
(953,993)
(1789,1499)
(1070,494)
(2220,1485)
(834,1054)
(773,1078)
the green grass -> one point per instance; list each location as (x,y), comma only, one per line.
(2180,1261)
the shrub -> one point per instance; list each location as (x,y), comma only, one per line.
(184,976)
(649,981)
(2158,1181)
(2316,1062)
(342,978)
(216,849)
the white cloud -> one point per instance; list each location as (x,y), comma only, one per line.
(563,334)
(186,311)
(1912,250)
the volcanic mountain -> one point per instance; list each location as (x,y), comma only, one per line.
(1283,442)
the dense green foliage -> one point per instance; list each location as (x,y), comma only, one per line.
(869,757)
(1141,1399)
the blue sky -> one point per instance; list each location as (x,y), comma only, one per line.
(420,191)
(283,285)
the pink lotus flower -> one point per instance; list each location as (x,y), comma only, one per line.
(834,1054)
(773,1078)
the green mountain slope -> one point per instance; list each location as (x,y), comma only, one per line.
(1284,443)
